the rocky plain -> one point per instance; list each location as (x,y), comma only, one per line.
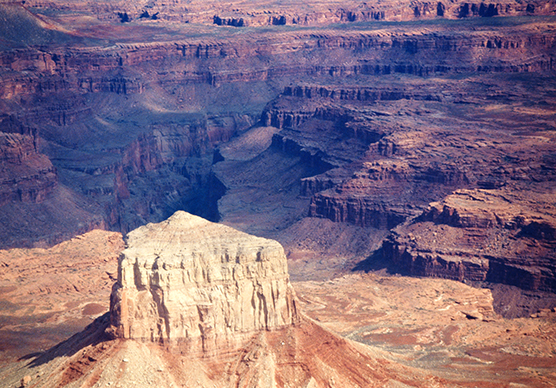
(402,153)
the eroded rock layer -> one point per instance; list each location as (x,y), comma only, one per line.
(481,235)
(129,101)
(292,13)
(26,174)
(187,280)
(446,331)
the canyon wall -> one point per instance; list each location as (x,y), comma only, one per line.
(27,175)
(270,13)
(195,303)
(130,127)
(421,146)
(368,122)
(480,235)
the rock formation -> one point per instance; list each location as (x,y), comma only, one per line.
(34,208)
(201,304)
(124,119)
(481,235)
(129,114)
(326,126)
(27,175)
(272,13)
(187,280)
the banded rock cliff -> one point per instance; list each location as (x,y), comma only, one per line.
(192,282)
(274,13)
(368,122)
(129,114)
(483,236)
(380,159)
(27,175)
(31,197)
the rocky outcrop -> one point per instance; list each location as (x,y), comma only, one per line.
(196,283)
(234,22)
(480,235)
(360,93)
(35,209)
(325,12)
(407,159)
(196,303)
(25,174)
(365,194)
(357,199)
(124,107)
(129,68)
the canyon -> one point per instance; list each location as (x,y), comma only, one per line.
(132,119)
(380,143)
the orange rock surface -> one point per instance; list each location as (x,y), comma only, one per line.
(49,294)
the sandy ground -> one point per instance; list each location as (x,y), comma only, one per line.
(443,326)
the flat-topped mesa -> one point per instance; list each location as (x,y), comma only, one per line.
(189,281)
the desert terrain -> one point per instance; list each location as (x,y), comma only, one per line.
(402,153)
(429,332)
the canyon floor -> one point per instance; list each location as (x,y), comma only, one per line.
(439,327)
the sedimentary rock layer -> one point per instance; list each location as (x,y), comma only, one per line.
(130,112)
(481,235)
(190,281)
(292,13)
(26,174)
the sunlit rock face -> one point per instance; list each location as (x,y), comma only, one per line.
(187,280)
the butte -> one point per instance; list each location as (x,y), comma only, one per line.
(199,304)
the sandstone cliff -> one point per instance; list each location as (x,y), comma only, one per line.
(34,208)
(386,155)
(26,174)
(130,113)
(187,280)
(60,289)
(273,13)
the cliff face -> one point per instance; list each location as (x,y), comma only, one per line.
(270,13)
(60,290)
(411,145)
(193,282)
(196,304)
(26,175)
(383,193)
(130,68)
(480,235)
(401,146)
(34,208)
(371,121)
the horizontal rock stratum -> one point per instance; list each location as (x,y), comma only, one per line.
(190,280)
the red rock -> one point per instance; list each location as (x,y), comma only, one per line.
(480,235)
